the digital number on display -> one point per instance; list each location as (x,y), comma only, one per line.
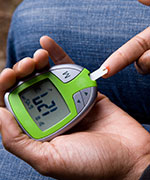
(43,102)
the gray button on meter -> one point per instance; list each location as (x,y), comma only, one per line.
(86,94)
(66,72)
(78,101)
(66,75)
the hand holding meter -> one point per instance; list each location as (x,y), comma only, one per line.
(52,102)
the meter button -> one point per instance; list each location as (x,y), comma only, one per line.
(78,102)
(86,95)
(66,75)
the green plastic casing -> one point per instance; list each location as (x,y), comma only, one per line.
(67,90)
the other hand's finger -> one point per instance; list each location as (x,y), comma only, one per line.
(143,63)
(128,53)
(146,2)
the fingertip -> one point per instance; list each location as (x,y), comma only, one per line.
(24,67)
(40,52)
(107,74)
(45,41)
(108,68)
(7,79)
(48,44)
(56,53)
(41,59)
(44,37)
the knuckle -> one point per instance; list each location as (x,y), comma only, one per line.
(123,57)
(7,144)
(142,42)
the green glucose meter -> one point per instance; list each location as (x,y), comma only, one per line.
(50,103)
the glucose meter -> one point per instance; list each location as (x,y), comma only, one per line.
(50,103)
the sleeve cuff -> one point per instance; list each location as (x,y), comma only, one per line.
(147,127)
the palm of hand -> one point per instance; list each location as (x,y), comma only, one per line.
(107,146)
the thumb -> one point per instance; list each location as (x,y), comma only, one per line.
(8,127)
(42,156)
(15,141)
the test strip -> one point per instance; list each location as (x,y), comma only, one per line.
(99,73)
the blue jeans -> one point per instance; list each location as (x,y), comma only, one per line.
(89,31)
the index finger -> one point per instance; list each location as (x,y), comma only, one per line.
(56,53)
(128,53)
(146,2)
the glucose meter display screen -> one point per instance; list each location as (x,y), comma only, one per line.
(45,104)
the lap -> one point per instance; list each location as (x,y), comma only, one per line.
(89,31)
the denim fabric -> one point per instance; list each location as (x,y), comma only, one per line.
(89,31)
(147,127)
